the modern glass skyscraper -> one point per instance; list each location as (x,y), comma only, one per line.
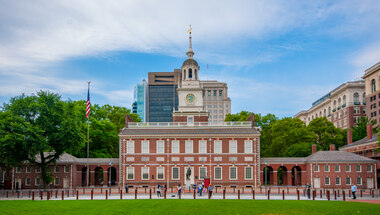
(141,100)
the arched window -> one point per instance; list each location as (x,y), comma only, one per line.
(356,99)
(363,98)
(195,74)
(373,85)
(339,102)
(324,112)
(344,100)
(312,117)
(184,74)
(316,115)
(329,110)
(334,104)
(190,73)
(320,113)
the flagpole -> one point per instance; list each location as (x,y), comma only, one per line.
(88,139)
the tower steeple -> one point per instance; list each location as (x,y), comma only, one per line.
(190,52)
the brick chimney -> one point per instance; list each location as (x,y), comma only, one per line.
(332,147)
(313,149)
(369,131)
(252,119)
(127,119)
(349,136)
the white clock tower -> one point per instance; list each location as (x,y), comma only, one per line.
(190,96)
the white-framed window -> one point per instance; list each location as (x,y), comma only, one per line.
(27,169)
(218,173)
(218,146)
(369,168)
(130,173)
(203,146)
(56,181)
(337,168)
(359,181)
(27,181)
(356,110)
(358,168)
(348,168)
(56,169)
(175,173)
(37,182)
(189,146)
(233,146)
(248,146)
(327,168)
(348,181)
(327,181)
(130,147)
(160,173)
(37,169)
(67,169)
(160,147)
(145,146)
(18,169)
(202,172)
(316,168)
(248,173)
(175,146)
(337,181)
(233,173)
(145,173)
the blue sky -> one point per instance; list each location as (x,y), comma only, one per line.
(276,56)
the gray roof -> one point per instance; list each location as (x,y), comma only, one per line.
(98,160)
(337,156)
(362,141)
(282,160)
(187,131)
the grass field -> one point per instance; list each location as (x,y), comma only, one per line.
(195,207)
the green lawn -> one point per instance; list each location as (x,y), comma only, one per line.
(193,207)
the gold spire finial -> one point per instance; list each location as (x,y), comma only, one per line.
(189,31)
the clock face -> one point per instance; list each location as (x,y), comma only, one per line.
(190,98)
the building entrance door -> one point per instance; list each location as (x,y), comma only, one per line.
(189,177)
(317,183)
(66,183)
(369,183)
(18,183)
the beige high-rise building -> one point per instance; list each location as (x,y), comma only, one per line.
(216,100)
(372,90)
(343,106)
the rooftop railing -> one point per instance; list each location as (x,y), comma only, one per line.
(188,124)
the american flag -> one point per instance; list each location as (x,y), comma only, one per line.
(88,106)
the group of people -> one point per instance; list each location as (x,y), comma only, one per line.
(353,190)
(201,189)
(161,190)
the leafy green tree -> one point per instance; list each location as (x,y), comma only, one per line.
(359,131)
(242,116)
(298,150)
(325,133)
(13,129)
(52,128)
(286,132)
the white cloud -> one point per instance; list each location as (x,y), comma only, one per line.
(365,58)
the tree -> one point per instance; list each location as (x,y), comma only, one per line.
(242,116)
(359,131)
(298,150)
(285,133)
(52,127)
(325,133)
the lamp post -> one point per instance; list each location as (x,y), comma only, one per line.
(110,178)
(210,139)
(167,168)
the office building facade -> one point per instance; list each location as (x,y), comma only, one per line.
(140,104)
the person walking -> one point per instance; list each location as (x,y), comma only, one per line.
(210,189)
(308,188)
(158,190)
(200,189)
(179,190)
(353,189)
(126,187)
